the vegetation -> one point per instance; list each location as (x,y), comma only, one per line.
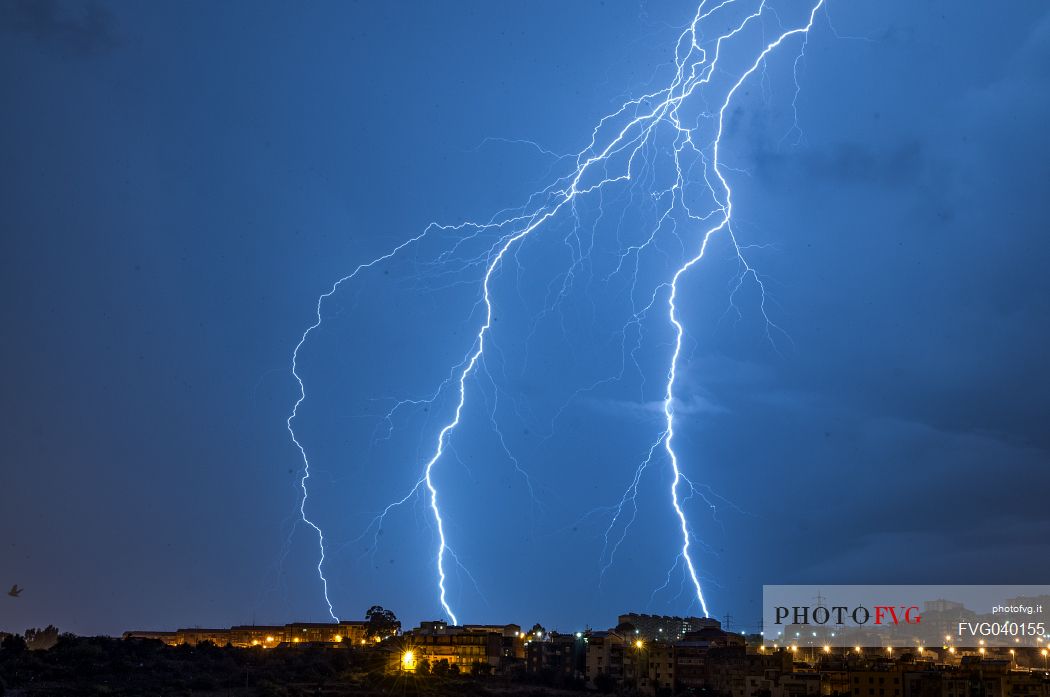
(381,622)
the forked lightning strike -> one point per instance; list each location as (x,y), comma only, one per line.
(625,148)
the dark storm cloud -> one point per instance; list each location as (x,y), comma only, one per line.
(82,29)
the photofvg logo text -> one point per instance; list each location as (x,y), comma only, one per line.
(906,616)
(859,615)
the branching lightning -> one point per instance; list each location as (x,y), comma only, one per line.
(617,153)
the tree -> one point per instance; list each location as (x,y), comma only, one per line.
(13,643)
(382,623)
(42,639)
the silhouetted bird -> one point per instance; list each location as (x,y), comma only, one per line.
(15,591)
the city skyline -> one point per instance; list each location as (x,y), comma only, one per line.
(852,378)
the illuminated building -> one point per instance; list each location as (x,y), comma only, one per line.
(666,627)
(491,646)
(265,636)
(252,635)
(557,654)
(605,656)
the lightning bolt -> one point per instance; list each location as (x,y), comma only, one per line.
(302,396)
(694,69)
(672,310)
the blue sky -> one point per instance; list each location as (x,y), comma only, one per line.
(181,181)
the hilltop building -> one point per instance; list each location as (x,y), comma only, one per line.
(665,627)
(268,636)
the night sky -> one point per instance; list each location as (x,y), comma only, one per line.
(179,182)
